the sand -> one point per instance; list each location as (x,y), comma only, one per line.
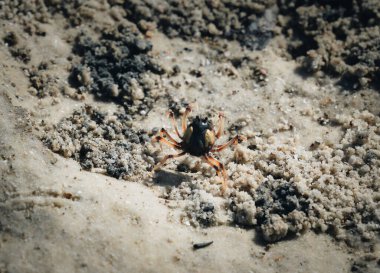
(86,86)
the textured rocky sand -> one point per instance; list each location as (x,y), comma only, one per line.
(84,87)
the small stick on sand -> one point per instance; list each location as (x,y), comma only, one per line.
(201,245)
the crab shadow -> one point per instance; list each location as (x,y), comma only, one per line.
(172,179)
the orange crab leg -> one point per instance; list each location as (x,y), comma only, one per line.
(219,168)
(237,139)
(162,162)
(220,125)
(184,118)
(164,133)
(167,142)
(174,123)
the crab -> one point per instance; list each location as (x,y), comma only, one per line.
(198,139)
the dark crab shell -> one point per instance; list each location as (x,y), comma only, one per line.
(199,137)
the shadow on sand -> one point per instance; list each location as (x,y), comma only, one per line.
(173,179)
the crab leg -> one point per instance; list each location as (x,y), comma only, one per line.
(184,118)
(174,123)
(167,142)
(220,125)
(164,133)
(219,168)
(162,162)
(237,139)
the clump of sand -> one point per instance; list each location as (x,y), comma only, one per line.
(100,141)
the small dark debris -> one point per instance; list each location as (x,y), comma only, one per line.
(196,73)
(10,39)
(201,245)
(324,120)
(314,145)
(67,195)
(252,146)
(176,70)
